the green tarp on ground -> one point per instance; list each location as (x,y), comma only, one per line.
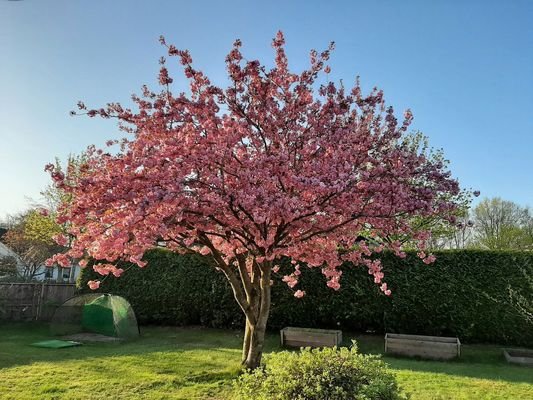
(56,344)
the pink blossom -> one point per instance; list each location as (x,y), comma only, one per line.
(429,259)
(61,240)
(106,269)
(101,269)
(93,285)
(334,284)
(62,259)
(299,294)
(385,290)
(57,176)
(205,251)
(164,79)
(290,280)
(189,241)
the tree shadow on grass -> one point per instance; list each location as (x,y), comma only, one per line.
(199,346)
(16,340)
(476,361)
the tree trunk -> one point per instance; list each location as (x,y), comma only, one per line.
(252,293)
(254,335)
(246,341)
(254,346)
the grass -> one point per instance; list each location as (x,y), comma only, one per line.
(197,363)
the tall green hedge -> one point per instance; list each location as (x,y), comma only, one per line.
(465,294)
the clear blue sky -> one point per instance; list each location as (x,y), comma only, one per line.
(464,67)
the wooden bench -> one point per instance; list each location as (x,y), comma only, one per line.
(307,337)
(431,347)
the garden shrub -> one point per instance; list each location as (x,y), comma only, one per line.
(319,374)
(465,293)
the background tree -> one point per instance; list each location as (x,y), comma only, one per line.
(31,233)
(454,235)
(30,236)
(448,230)
(39,226)
(501,224)
(493,224)
(53,196)
(275,165)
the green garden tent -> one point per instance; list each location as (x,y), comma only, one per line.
(97,313)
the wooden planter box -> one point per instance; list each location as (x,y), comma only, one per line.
(431,347)
(519,356)
(306,337)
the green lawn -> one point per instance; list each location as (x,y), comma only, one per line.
(196,363)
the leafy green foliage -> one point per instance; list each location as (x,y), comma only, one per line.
(466,293)
(41,228)
(502,224)
(319,374)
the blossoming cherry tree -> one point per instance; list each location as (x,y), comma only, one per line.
(275,165)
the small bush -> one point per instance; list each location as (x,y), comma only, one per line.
(319,374)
